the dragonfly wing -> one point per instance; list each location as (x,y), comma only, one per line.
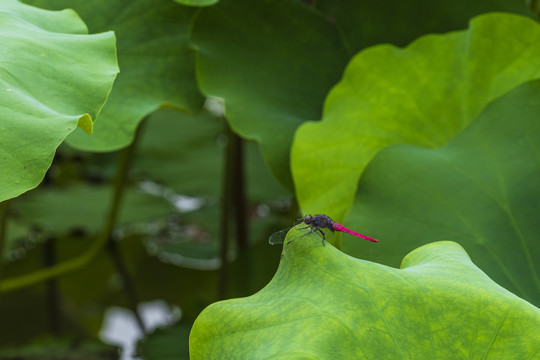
(278,237)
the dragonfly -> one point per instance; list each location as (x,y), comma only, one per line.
(316,223)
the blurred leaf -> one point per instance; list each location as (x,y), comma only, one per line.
(63,209)
(170,343)
(480,190)
(369,22)
(186,154)
(53,77)
(86,294)
(190,289)
(156,63)
(55,349)
(82,307)
(438,303)
(192,239)
(182,152)
(24,316)
(423,95)
(197,2)
(14,233)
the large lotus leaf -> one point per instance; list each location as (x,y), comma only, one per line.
(481,190)
(53,78)
(324,304)
(156,63)
(272,62)
(423,95)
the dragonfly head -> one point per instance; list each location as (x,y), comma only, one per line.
(308,219)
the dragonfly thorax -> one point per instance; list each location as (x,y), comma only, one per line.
(319,221)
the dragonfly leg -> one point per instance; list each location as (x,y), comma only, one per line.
(307,227)
(322,232)
(312,228)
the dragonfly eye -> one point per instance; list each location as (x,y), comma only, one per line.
(307,219)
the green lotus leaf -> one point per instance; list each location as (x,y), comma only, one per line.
(324,304)
(480,190)
(424,94)
(156,63)
(53,78)
(274,75)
